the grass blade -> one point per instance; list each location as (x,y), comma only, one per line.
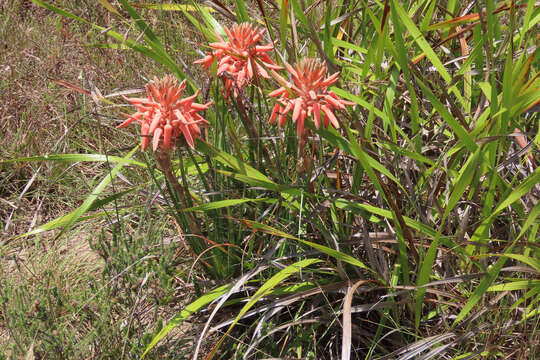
(69,158)
(263,290)
(186,312)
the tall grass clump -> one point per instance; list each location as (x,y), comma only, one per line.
(350,179)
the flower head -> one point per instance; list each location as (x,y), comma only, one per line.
(307,96)
(239,59)
(164,116)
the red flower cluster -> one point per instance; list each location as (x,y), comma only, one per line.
(307,96)
(165,117)
(238,58)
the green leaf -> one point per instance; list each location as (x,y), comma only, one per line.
(521,190)
(324,249)
(171,7)
(299,13)
(143,26)
(515,285)
(186,312)
(273,282)
(64,220)
(233,162)
(109,7)
(496,268)
(352,206)
(264,290)
(462,182)
(533,292)
(252,181)
(226,203)
(77,157)
(155,43)
(515,195)
(532,262)
(360,101)
(423,278)
(347,45)
(241,11)
(212,25)
(475,297)
(421,41)
(95,193)
(283,21)
(449,118)
(68,220)
(338,255)
(352,147)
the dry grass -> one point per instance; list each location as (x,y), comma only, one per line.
(38,117)
(101,289)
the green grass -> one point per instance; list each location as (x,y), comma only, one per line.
(410,232)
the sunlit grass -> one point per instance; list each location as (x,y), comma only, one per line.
(406,229)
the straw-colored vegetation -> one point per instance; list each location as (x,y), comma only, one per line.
(317,179)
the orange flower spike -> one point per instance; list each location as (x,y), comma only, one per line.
(264,48)
(275,113)
(316,114)
(187,102)
(344,102)
(154,92)
(241,57)
(300,124)
(282,120)
(206,61)
(130,119)
(155,141)
(156,120)
(165,117)
(330,116)
(335,102)
(277,92)
(145,139)
(330,80)
(298,104)
(262,71)
(167,135)
(307,96)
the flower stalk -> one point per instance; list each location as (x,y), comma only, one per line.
(163,159)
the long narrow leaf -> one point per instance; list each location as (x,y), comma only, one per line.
(264,289)
(69,158)
(186,312)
